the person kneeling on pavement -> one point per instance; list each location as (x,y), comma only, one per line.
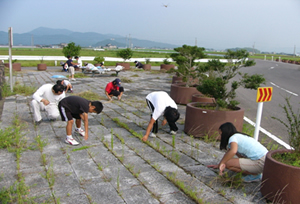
(160,103)
(114,88)
(78,108)
(68,86)
(251,154)
(46,98)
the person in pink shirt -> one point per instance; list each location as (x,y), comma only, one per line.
(114,88)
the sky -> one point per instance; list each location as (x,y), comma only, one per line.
(266,25)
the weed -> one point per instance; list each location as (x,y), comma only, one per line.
(80,148)
(118,181)
(90,95)
(112,140)
(17,89)
(173,141)
(126,80)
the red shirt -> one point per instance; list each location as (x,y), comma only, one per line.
(110,87)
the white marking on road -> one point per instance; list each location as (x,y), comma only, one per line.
(284,89)
(271,67)
(268,134)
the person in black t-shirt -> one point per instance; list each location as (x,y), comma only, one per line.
(138,64)
(78,108)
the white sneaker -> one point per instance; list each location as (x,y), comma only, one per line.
(172,132)
(71,141)
(73,79)
(81,132)
(152,134)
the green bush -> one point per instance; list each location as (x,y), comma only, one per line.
(125,54)
(220,74)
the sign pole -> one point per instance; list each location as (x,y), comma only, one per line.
(10,42)
(258,119)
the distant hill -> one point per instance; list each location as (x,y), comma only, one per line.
(48,36)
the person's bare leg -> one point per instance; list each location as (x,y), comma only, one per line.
(69,127)
(78,123)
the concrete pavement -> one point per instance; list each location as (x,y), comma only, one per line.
(114,165)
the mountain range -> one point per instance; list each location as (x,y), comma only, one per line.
(48,36)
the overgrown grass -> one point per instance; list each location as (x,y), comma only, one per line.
(17,89)
(126,80)
(14,141)
(90,95)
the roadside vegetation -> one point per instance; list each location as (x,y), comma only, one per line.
(137,53)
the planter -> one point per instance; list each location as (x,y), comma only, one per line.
(147,66)
(42,67)
(126,65)
(15,66)
(176,79)
(182,94)
(202,99)
(280,182)
(200,121)
(167,66)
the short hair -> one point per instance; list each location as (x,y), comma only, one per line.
(58,88)
(227,129)
(59,81)
(76,57)
(98,106)
(68,56)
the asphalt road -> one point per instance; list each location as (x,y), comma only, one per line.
(284,78)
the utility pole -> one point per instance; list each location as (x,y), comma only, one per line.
(294,50)
(253,48)
(195,41)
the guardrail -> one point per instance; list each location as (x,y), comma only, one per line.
(85,58)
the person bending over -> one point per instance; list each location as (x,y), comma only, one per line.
(67,85)
(250,152)
(78,108)
(160,103)
(138,64)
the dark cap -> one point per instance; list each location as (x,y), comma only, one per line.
(117,82)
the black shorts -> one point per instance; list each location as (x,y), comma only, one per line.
(66,115)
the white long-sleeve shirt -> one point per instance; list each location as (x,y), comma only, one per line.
(45,92)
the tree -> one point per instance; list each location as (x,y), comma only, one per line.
(125,54)
(218,83)
(185,57)
(71,50)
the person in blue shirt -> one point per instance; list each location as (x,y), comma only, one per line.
(251,154)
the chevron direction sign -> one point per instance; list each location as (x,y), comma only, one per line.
(264,94)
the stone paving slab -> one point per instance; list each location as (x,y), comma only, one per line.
(114,165)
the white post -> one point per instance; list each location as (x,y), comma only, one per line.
(258,119)
(272,58)
(10,43)
(55,63)
(279,59)
(265,57)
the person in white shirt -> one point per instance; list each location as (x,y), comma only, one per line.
(67,85)
(47,98)
(79,62)
(90,67)
(160,103)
